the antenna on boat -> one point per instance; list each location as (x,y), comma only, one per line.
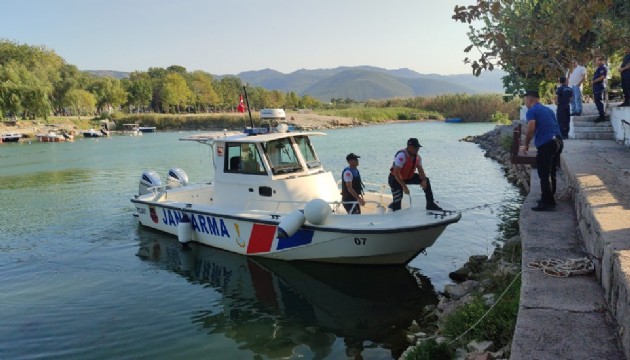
(251,121)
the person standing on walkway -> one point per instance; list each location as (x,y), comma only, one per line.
(542,125)
(563,99)
(625,78)
(576,78)
(403,172)
(352,187)
(598,87)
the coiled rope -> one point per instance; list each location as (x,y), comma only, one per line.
(559,268)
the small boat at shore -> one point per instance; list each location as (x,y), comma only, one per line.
(11,137)
(453,120)
(271,197)
(147,129)
(53,136)
(131,129)
(95,133)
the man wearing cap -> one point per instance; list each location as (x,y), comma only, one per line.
(352,187)
(542,125)
(403,172)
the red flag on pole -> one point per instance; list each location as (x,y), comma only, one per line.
(241,105)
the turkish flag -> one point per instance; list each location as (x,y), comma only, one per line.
(241,105)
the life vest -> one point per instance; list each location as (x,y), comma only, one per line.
(357,184)
(409,167)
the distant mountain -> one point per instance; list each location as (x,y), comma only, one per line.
(360,82)
(108,73)
(325,84)
(360,85)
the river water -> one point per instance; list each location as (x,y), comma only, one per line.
(79,279)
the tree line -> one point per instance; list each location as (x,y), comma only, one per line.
(36,82)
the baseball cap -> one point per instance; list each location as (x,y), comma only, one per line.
(413,142)
(352,156)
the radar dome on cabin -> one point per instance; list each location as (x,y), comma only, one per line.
(272,114)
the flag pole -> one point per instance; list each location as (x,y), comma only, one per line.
(251,121)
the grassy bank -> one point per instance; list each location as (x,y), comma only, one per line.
(380,114)
(188,121)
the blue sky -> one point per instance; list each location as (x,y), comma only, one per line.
(227,37)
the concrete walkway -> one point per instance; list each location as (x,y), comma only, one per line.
(578,317)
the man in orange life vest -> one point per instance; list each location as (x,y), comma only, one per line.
(403,172)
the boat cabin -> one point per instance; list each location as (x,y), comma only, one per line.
(280,168)
(131,127)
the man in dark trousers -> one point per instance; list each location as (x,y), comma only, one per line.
(352,187)
(625,78)
(403,172)
(563,101)
(598,87)
(542,125)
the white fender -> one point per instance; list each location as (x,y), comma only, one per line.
(290,224)
(184,229)
(317,211)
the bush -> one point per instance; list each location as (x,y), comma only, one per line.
(430,350)
(506,143)
(498,325)
(473,107)
(501,118)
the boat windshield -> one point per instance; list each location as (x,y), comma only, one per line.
(304,144)
(281,156)
(244,159)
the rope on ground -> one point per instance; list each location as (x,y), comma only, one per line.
(559,268)
(489,310)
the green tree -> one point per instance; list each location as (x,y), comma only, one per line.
(109,93)
(203,91)
(139,86)
(535,40)
(291,101)
(229,89)
(23,93)
(80,101)
(175,92)
(70,78)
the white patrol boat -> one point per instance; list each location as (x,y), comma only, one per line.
(272,198)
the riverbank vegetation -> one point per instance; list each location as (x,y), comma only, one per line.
(36,83)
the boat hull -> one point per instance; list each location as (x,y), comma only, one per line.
(11,138)
(46,138)
(337,241)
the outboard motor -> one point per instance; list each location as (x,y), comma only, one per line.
(176,178)
(149,179)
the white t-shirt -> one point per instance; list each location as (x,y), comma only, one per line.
(577,75)
(347,176)
(401,157)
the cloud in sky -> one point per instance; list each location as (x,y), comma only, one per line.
(225,37)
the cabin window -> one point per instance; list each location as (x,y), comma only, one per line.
(282,157)
(243,159)
(304,144)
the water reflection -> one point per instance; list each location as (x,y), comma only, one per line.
(277,309)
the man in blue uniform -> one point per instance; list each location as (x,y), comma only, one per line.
(352,187)
(598,87)
(563,100)
(625,78)
(542,125)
